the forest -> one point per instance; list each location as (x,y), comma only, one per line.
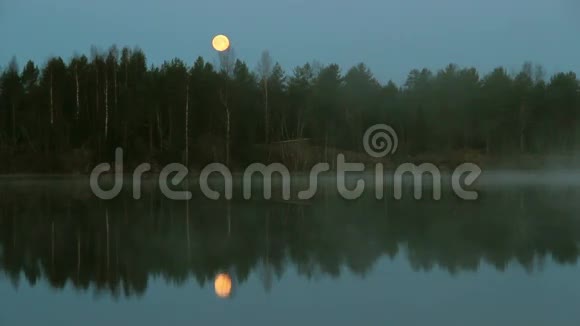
(68,116)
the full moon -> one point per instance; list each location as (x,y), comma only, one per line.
(223,285)
(220,43)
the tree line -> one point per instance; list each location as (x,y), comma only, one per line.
(68,116)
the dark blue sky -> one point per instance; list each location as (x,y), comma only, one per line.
(391,36)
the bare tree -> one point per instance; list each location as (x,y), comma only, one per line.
(106,105)
(111,63)
(96,58)
(265,71)
(114,54)
(51,99)
(78,91)
(187,122)
(227,61)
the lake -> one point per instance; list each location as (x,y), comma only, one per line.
(508,258)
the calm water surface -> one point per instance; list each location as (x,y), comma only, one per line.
(509,258)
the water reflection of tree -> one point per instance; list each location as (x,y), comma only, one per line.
(116,247)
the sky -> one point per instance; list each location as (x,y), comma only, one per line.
(390,36)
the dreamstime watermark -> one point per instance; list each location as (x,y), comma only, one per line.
(379,141)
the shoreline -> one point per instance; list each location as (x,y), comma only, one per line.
(388,172)
(569,163)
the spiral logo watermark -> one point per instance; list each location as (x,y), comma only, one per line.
(380,140)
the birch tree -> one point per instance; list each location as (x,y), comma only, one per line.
(264,72)
(111,71)
(227,62)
